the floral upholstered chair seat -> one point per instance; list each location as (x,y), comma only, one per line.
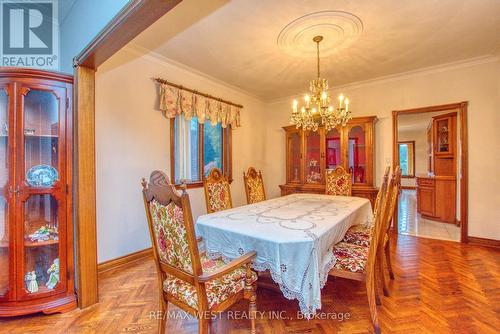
(218,290)
(359,235)
(350,257)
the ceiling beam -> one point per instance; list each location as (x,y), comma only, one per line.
(133,19)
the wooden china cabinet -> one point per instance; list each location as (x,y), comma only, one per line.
(309,154)
(36,233)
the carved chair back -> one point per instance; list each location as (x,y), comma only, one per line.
(217,192)
(338,182)
(172,232)
(254,186)
(379,194)
(393,194)
(378,219)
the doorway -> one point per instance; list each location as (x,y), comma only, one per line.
(430,146)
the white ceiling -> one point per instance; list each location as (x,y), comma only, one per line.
(236,41)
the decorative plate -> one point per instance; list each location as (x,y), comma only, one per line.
(41,176)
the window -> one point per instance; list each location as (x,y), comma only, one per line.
(197,149)
(407,158)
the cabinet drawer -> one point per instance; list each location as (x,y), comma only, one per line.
(425,182)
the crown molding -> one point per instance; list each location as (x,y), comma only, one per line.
(165,61)
(408,74)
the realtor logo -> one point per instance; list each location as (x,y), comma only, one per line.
(30,34)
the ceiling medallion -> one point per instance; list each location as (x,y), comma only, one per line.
(339,29)
(317,109)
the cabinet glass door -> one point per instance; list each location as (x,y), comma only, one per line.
(313,172)
(5,194)
(333,149)
(442,136)
(356,148)
(42,192)
(295,156)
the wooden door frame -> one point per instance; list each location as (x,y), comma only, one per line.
(464,168)
(133,19)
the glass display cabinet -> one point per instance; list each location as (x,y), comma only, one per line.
(351,146)
(444,135)
(333,149)
(36,234)
(294,152)
(313,164)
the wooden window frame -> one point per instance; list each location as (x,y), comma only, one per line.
(227,150)
(412,143)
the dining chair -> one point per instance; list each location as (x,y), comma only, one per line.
(359,234)
(217,192)
(391,208)
(358,263)
(338,182)
(188,278)
(254,186)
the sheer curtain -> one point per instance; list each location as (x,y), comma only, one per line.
(186,149)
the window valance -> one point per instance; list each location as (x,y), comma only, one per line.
(176,100)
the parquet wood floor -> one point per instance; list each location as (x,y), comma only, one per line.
(440,287)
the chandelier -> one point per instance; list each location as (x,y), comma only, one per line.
(317,109)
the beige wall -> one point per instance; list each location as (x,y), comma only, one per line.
(132,139)
(478,83)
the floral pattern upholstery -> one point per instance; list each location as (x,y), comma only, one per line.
(338,182)
(218,196)
(171,235)
(218,290)
(350,257)
(359,235)
(255,188)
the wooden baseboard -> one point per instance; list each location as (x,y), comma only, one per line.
(483,242)
(125,260)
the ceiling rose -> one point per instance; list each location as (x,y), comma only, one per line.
(338,28)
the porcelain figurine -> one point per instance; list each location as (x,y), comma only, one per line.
(53,272)
(31,283)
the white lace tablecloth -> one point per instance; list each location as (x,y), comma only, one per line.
(292,235)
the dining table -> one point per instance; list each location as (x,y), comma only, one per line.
(292,235)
